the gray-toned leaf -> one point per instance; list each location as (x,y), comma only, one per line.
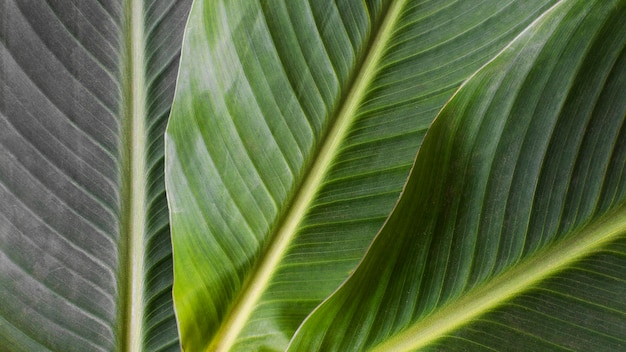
(85,91)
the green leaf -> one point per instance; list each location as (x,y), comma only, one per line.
(292,132)
(85,255)
(511,231)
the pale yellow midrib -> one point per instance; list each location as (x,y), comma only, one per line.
(234,323)
(587,241)
(135,196)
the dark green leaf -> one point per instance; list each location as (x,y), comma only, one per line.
(511,231)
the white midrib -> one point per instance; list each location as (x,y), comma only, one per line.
(260,279)
(133,196)
(588,240)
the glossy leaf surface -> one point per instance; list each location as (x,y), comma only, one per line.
(85,255)
(293,129)
(511,231)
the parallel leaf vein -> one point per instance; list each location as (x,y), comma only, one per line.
(286,230)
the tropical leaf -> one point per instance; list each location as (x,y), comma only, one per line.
(511,231)
(85,91)
(292,132)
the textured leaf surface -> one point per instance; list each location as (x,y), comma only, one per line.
(511,231)
(81,131)
(293,129)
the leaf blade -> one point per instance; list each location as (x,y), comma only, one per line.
(497,145)
(232,42)
(63,91)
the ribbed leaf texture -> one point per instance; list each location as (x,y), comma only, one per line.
(510,233)
(293,129)
(67,90)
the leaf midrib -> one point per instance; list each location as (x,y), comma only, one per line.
(133,171)
(586,241)
(260,278)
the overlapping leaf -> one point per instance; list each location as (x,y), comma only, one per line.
(510,232)
(69,94)
(292,132)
